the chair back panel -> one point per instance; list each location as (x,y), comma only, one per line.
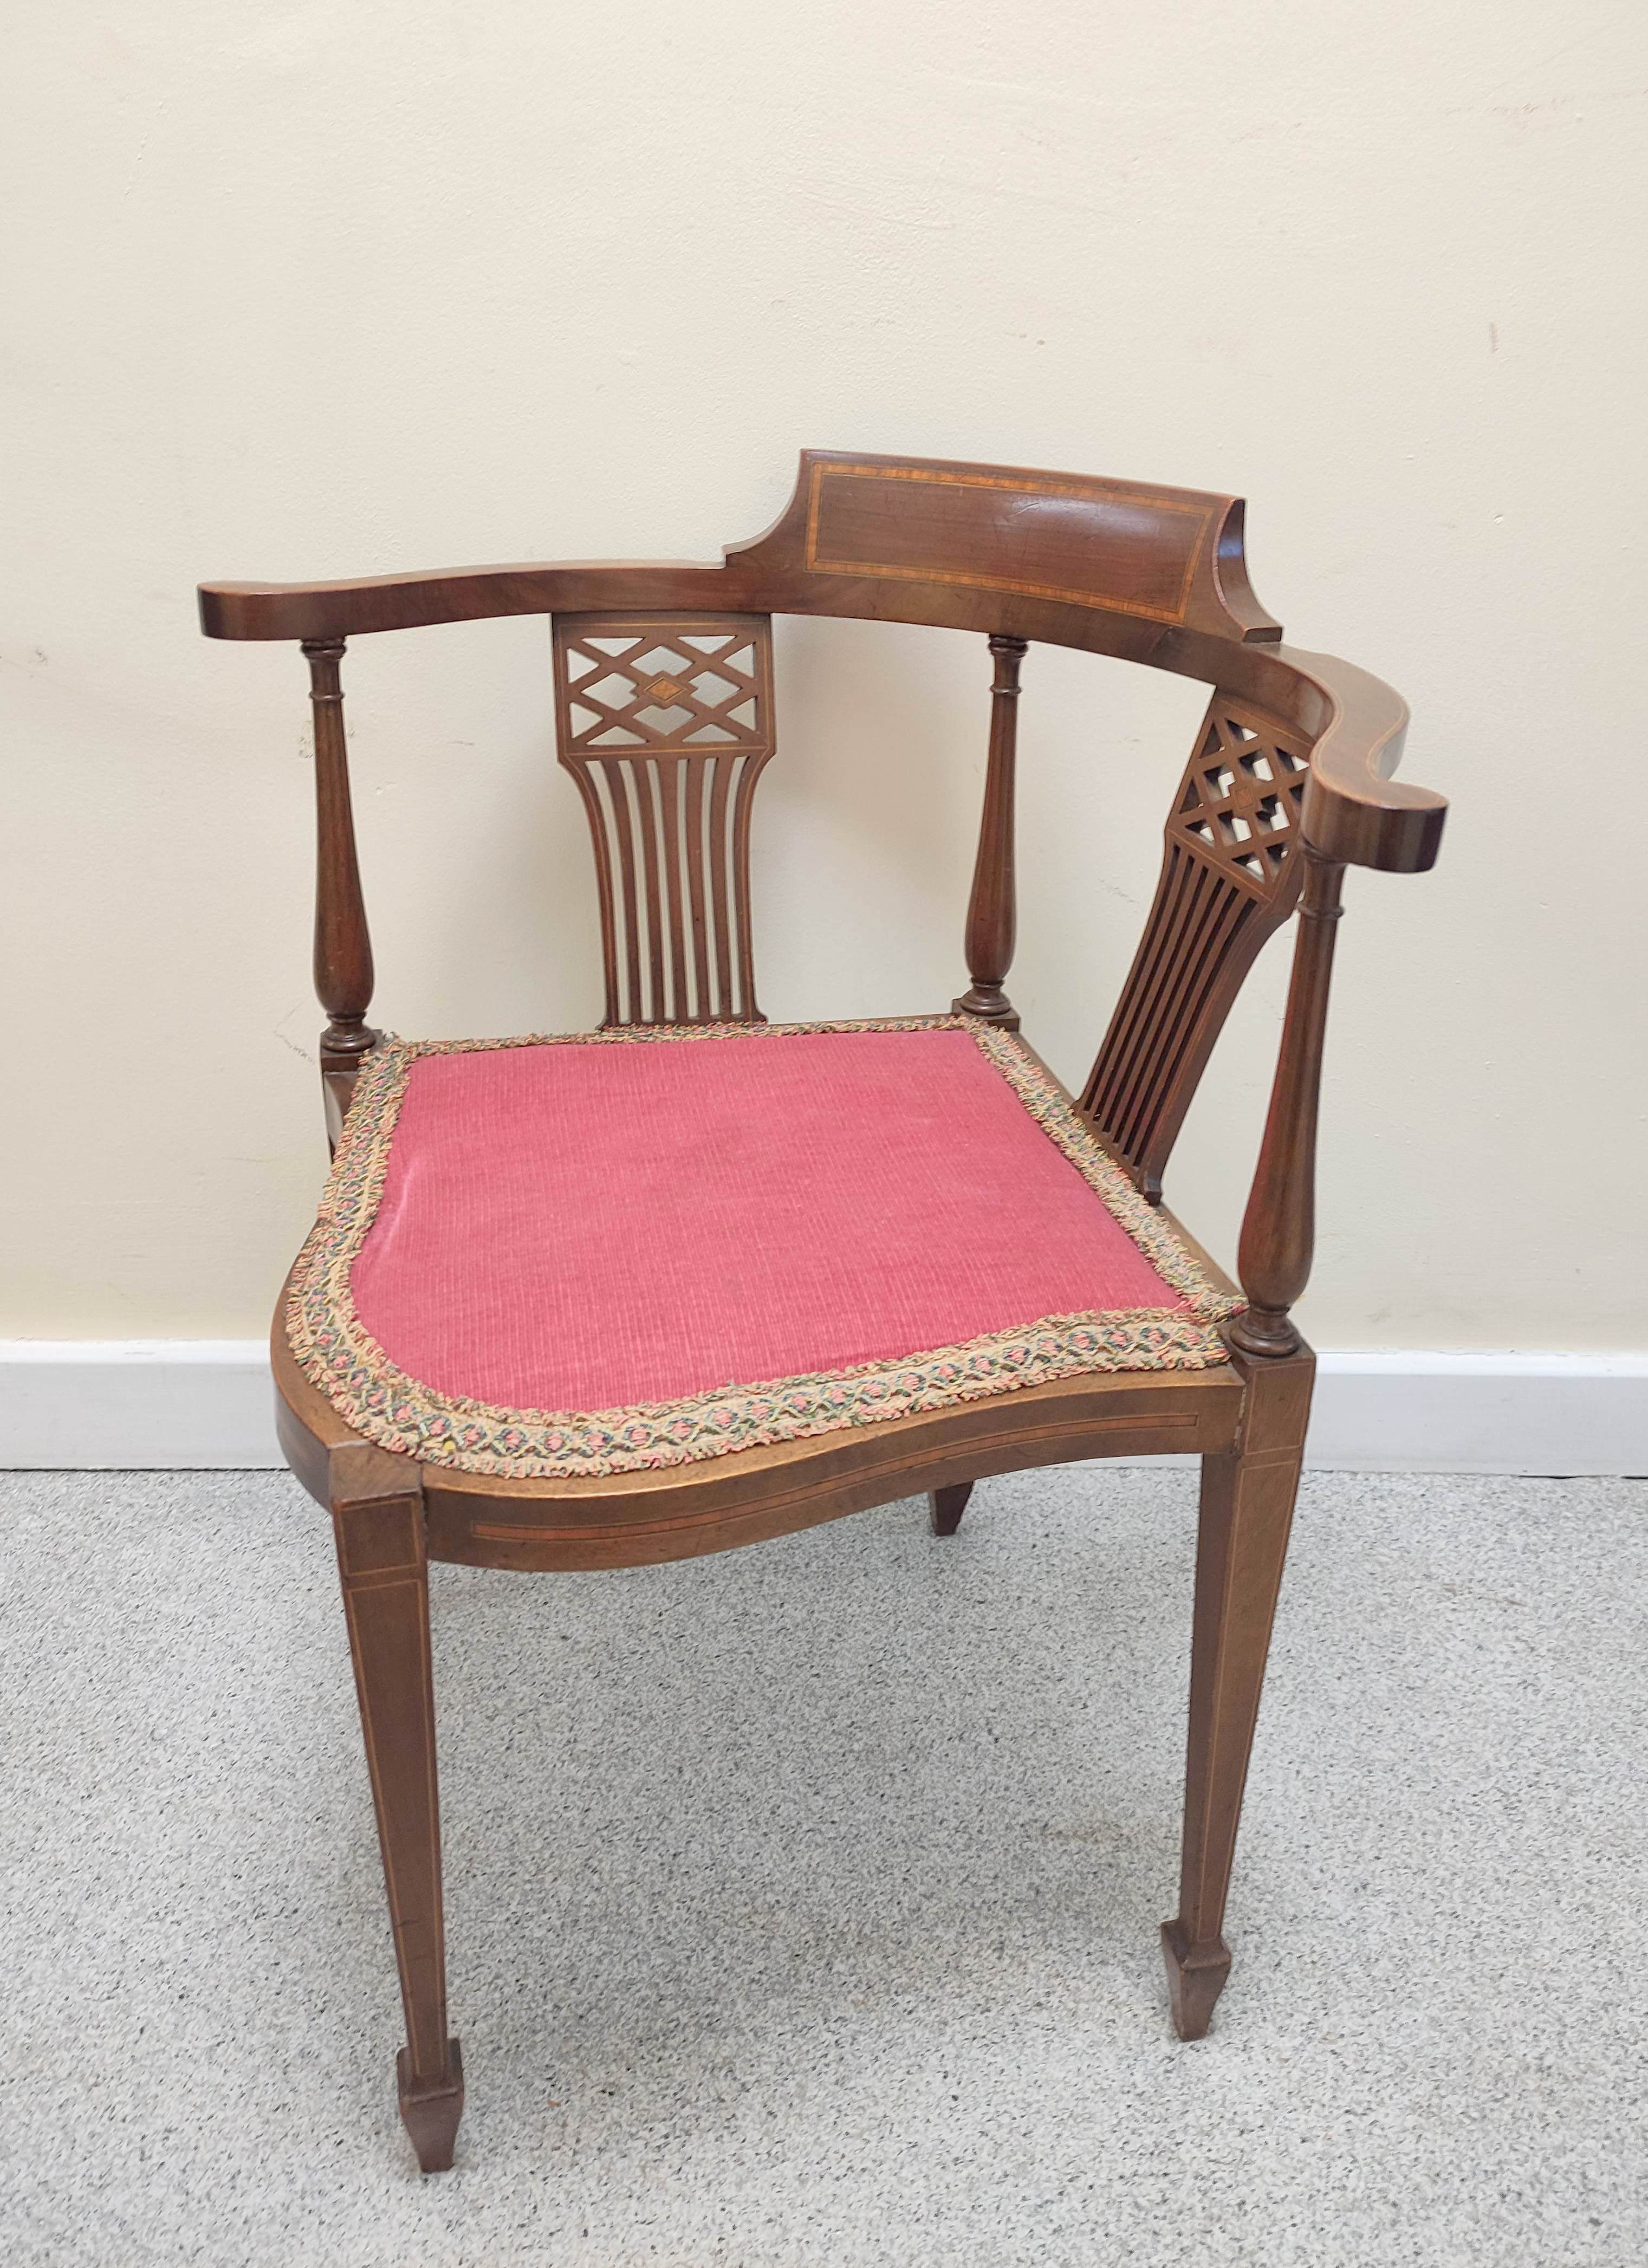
(664,721)
(1081,540)
(1009,549)
(1230,876)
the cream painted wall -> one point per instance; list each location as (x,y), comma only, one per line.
(323,289)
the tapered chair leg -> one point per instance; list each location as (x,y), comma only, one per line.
(377,1522)
(945,1507)
(1248,1498)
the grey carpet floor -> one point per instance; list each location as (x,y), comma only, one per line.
(803,1903)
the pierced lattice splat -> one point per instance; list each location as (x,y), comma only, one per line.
(1239,802)
(1229,876)
(665,722)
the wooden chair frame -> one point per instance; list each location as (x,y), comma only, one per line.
(1289,783)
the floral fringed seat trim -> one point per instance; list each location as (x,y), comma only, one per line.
(403,1413)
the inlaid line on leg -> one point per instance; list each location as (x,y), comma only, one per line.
(377,1522)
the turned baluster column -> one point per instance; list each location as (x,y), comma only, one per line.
(992,910)
(342,947)
(1278,1232)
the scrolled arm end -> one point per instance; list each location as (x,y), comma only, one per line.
(1355,812)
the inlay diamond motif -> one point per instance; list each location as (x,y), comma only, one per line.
(707,690)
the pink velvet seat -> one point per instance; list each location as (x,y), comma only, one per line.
(648,1246)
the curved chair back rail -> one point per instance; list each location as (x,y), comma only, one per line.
(1152,575)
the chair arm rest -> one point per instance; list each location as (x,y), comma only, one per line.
(1355,812)
(453,594)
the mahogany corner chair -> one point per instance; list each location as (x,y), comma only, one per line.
(696,1280)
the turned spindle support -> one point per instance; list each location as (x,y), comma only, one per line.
(343,946)
(992,909)
(1278,1232)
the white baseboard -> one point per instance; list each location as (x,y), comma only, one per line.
(1381,1409)
(129,1404)
(120,1404)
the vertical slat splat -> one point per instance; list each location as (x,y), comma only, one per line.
(673,713)
(600,832)
(1230,876)
(649,818)
(720,890)
(673,844)
(617,776)
(692,793)
(743,797)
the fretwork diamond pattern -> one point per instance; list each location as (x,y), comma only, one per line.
(1239,802)
(685,695)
